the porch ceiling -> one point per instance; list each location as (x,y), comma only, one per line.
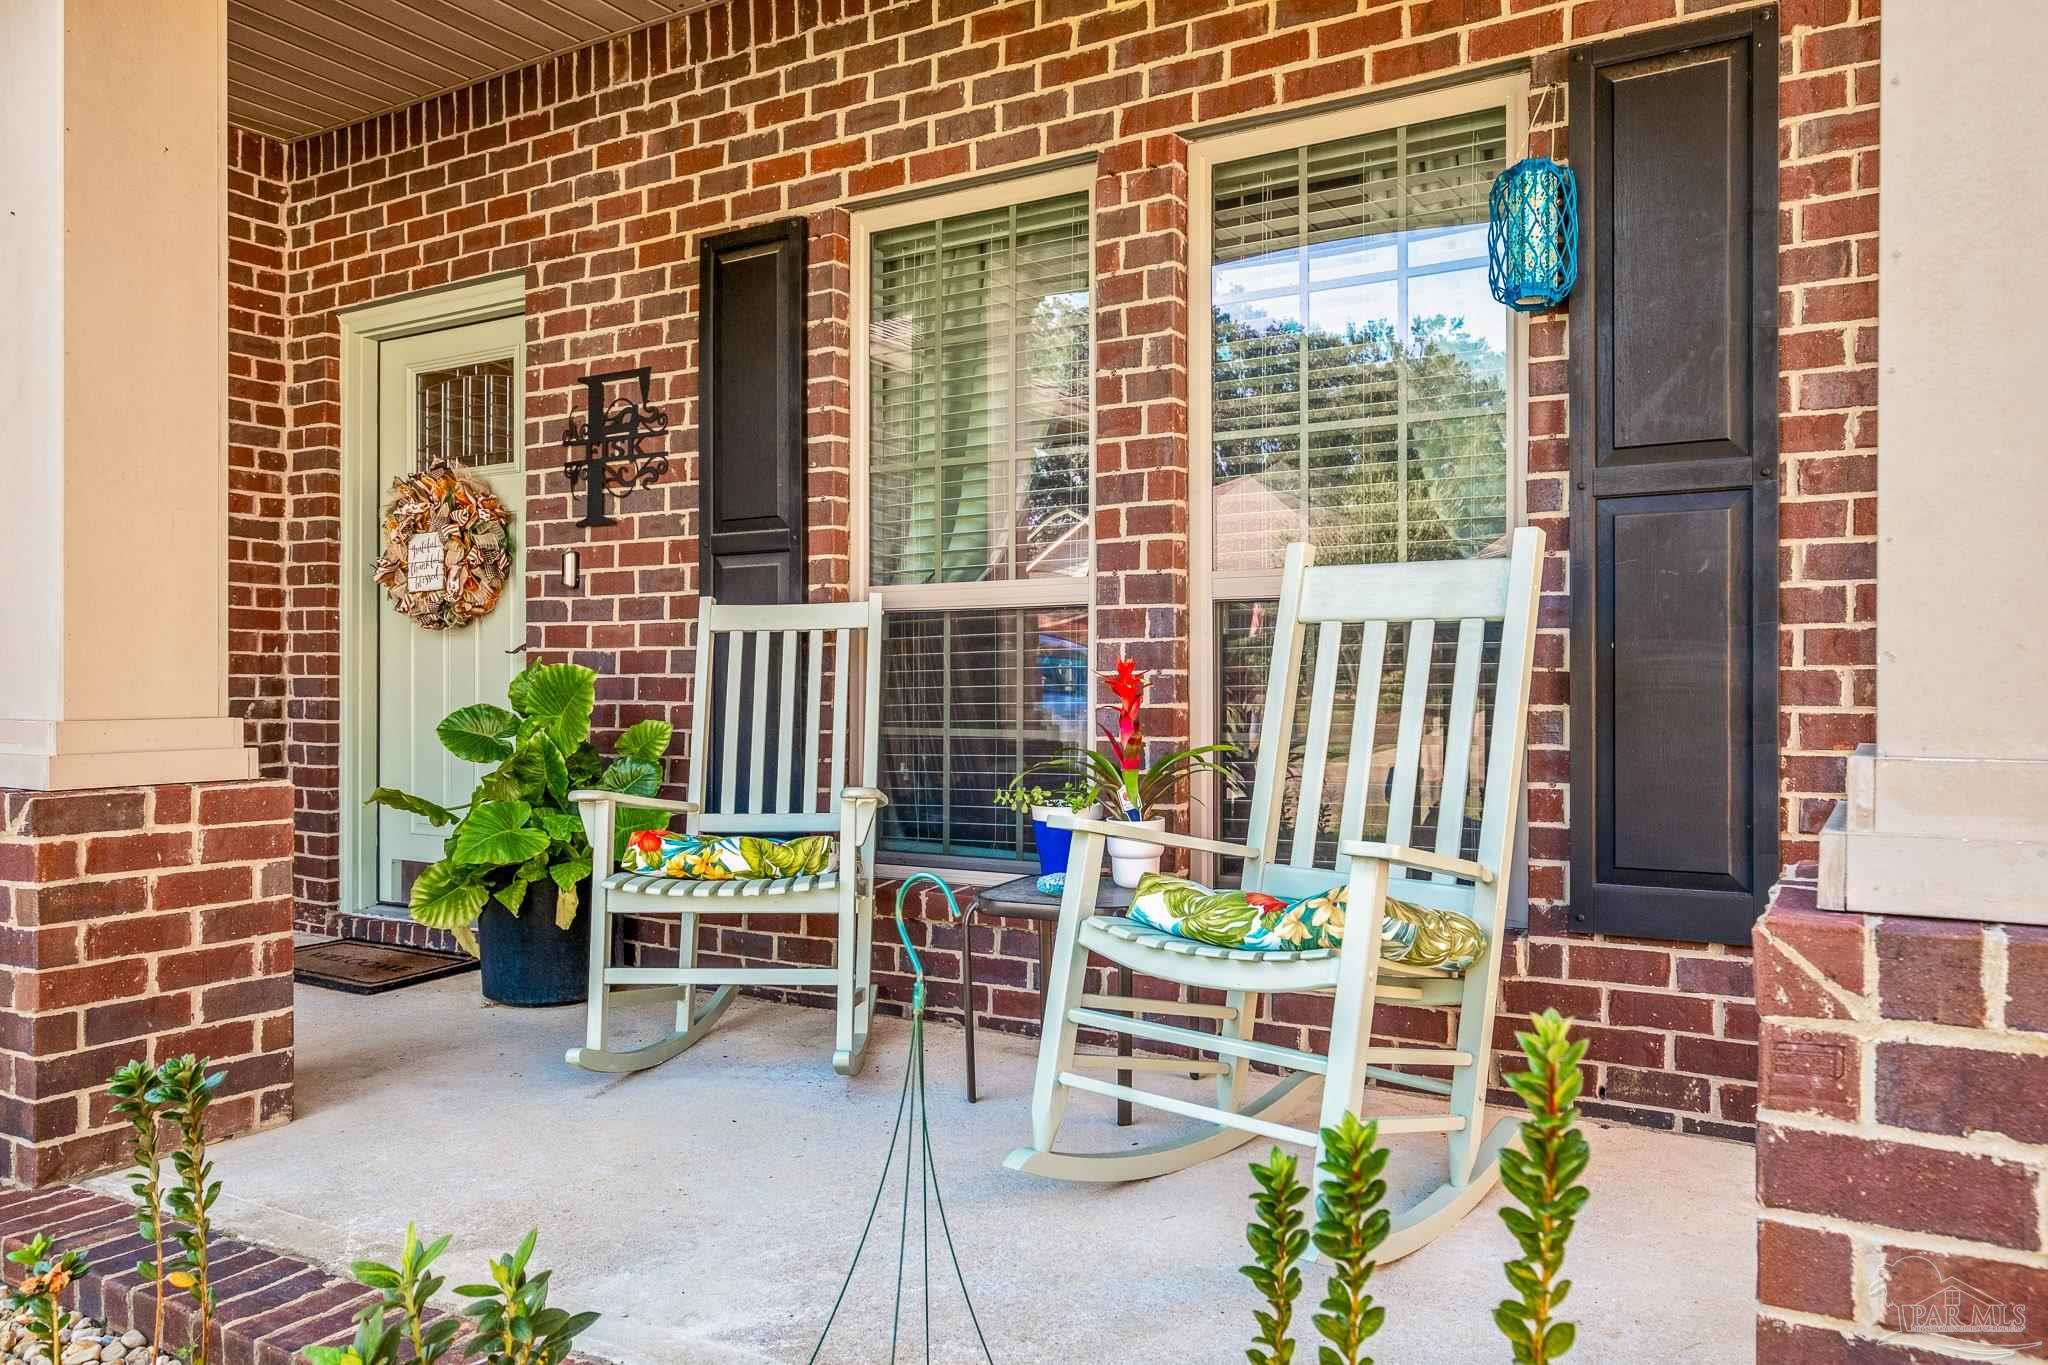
(297,67)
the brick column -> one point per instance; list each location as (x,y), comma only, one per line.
(1142,593)
(140,922)
(1903,1143)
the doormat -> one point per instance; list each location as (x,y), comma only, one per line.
(373,968)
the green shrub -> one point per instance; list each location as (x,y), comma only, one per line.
(1350,1224)
(1543,1178)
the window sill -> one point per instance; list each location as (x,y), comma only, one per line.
(891,871)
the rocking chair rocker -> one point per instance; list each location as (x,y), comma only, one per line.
(766,784)
(1332,600)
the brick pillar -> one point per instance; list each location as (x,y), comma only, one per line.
(1904,1133)
(140,922)
(1142,475)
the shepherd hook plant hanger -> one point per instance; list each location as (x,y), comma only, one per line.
(918,1143)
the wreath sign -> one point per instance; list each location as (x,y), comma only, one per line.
(447,547)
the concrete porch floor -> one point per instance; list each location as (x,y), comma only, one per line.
(708,1207)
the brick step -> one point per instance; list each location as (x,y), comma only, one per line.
(271,1305)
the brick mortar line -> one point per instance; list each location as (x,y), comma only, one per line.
(1995,1146)
(1876,1234)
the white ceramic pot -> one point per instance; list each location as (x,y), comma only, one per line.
(1130,859)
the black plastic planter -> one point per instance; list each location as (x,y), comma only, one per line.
(527,960)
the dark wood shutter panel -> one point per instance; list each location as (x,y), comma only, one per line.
(1674,528)
(752,347)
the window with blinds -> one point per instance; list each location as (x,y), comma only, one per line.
(978,459)
(978,405)
(1359,379)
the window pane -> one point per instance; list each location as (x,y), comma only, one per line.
(969,698)
(1245,632)
(1359,389)
(978,397)
(464,415)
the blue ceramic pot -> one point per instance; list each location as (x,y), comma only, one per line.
(1054,843)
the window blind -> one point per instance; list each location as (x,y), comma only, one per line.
(978,396)
(1359,384)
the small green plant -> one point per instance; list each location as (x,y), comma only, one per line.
(406,1288)
(139,1098)
(1022,796)
(1278,1243)
(375,1343)
(519,828)
(187,1093)
(1350,1225)
(38,1298)
(1543,1176)
(514,1325)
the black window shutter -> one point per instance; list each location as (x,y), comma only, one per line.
(1674,526)
(750,435)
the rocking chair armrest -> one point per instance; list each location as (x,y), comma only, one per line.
(1118,829)
(1415,857)
(588,797)
(871,795)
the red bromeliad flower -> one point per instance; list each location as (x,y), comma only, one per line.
(1126,740)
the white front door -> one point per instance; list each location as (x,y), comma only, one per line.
(455,394)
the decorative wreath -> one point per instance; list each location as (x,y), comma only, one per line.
(448,509)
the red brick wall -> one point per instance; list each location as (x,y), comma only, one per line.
(256,443)
(139,922)
(596,173)
(1905,1127)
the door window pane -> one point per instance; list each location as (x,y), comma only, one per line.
(463,415)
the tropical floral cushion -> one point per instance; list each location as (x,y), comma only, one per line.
(732,857)
(1412,934)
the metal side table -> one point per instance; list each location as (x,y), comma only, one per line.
(1020,898)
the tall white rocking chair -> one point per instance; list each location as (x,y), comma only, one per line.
(773,712)
(1425,600)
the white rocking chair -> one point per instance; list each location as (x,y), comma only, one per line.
(1471,593)
(767,783)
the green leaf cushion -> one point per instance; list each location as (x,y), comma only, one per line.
(1411,934)
(732,857)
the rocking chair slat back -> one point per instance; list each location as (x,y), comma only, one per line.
(1450,832)
(1354,610)
(1365,717)
(1308,819)
(768,770)
(1408,742)
(813,733)
(787,711)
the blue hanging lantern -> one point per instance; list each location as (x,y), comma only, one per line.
(1532,234)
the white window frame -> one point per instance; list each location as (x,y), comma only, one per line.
(1208,588)
(1006,593)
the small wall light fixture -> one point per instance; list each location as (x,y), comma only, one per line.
(606,450)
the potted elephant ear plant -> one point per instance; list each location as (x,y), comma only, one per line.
(515,869)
